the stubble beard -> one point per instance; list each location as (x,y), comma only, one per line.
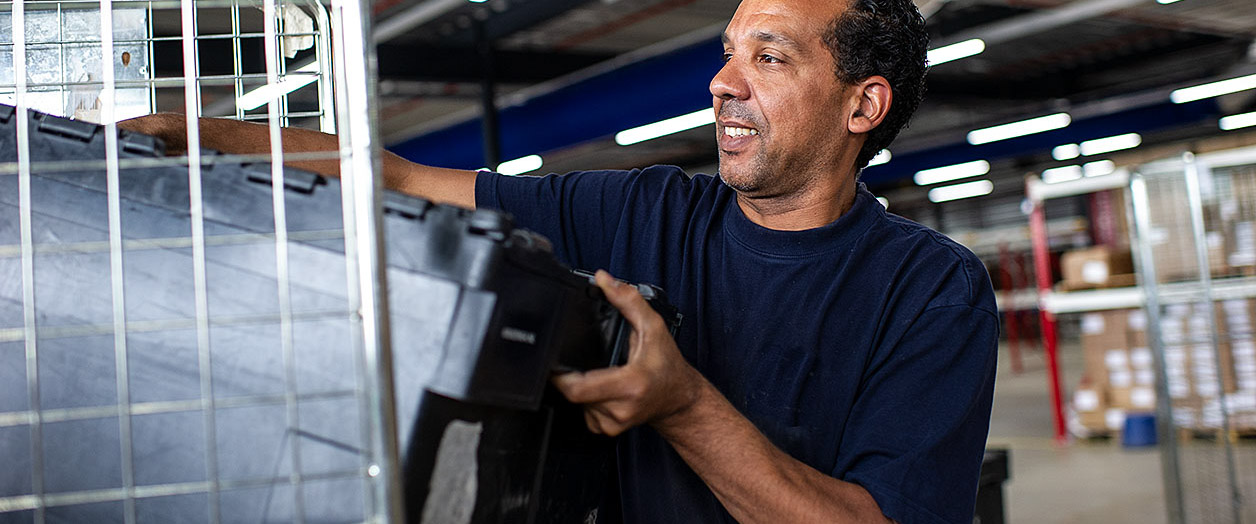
(751,180)
(757,171)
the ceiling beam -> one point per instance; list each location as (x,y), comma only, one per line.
(462,64)
(1041,21)
(405,21)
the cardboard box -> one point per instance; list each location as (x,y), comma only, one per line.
(1102,331)
(1134,399)
(1099,266)
(1091,405)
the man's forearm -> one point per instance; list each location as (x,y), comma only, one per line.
(245,138)
(753,479)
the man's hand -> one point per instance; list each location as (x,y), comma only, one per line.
(655,385)
(755,481)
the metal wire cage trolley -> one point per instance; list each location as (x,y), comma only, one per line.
(200,337)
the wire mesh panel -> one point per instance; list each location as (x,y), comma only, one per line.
(192,338)
(1193,215)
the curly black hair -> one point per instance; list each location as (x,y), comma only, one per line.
(887,38)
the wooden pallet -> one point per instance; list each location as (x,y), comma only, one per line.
(1218,435)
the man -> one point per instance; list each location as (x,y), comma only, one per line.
(836,363)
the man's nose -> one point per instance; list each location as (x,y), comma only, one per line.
(729,83)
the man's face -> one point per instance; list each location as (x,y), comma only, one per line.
(780,109)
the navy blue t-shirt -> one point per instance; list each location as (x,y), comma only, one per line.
(864,348)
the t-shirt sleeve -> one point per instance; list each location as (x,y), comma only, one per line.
(919,453)
(578,212)
(582,212)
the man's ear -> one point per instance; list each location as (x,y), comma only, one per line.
(874,99)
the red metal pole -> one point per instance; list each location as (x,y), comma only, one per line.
(1042,268)
(1023,281)
(1012,313)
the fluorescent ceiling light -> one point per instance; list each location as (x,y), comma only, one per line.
(1056,175)
(1100,146)
(1021,128)
(1165,1)
(949,173)
(305,75)
(520,166)
(1100,168)
(1224,87)
(885,202)
(1066,152)
(881,158)
(955,51)
(958,191)
(665,127)
(1238,121)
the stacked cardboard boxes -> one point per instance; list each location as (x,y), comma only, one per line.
(1120,374)
(1120,371)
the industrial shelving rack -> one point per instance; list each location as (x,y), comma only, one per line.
(1209,480)
(1051,303)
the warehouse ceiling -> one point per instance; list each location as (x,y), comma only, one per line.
(568,74)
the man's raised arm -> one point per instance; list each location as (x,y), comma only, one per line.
(450,186)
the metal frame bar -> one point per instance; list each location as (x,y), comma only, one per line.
(1169,461)
(1195,200)
(364,243)
(28,263)
(113,195)
(192,107)
(274,110)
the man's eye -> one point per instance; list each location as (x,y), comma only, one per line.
(727,56)
(769,59)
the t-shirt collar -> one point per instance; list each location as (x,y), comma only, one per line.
(829,237)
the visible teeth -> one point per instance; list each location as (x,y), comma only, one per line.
(740,131)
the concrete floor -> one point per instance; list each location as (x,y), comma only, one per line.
(1086,481)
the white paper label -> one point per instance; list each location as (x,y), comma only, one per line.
(1214,239)
(1086,400)
(1116,359)
(1144,377)
(1207,388)
(1243,346)
(1138,320)
(1202,354)
(1143,398)
(1092,324)
(1095,272)
(1122,379)
(1115,418)
(1199,324)
(1140,358)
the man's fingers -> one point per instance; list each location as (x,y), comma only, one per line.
(592,386)
(626,299)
